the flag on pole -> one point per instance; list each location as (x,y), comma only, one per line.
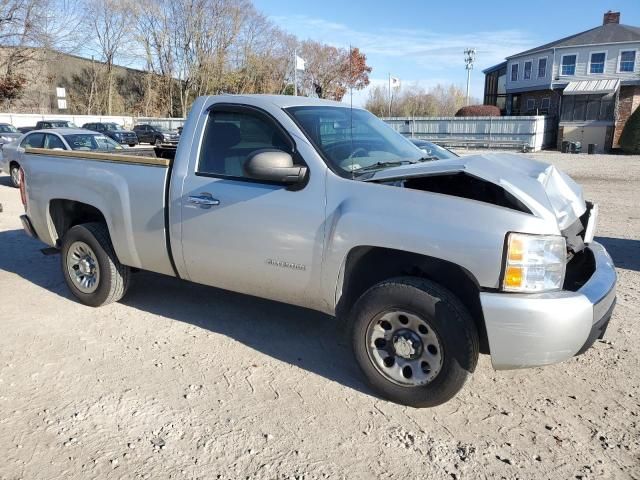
(395,82)
(300,63)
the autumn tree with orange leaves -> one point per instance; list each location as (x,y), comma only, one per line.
(331,71)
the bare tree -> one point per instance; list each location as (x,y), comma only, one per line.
(111,26)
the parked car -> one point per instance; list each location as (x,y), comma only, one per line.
(115,131)
(8,133)
(432,150)
(12,155)
(156,135)
(312,203)
(43,124)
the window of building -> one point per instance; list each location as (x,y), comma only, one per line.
(597,62)
(627,61)
(495,88)
(231,137)
(568,65)
(545,104)
(531,104)
(542,67)
(527,70)
(580,108)
(514,72)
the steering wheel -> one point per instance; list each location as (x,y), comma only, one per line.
(357,150)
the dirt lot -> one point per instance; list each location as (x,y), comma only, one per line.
(184,381)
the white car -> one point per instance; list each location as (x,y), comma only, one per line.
(53,139)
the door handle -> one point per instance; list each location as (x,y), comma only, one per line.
(204,200)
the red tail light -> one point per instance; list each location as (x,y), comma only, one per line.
(23,189)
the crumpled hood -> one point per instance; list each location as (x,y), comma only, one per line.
(540,186)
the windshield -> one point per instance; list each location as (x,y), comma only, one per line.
(8,129)
(111,126)
(434,151)
(354,140)
(62,124)
(91,141)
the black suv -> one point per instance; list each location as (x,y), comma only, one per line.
(156,135)
(115,131)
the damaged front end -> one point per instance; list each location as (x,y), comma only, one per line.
(517,183)
(508,181)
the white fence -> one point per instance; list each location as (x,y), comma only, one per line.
(30,119)
(532,132)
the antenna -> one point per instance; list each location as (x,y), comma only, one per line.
(469,58)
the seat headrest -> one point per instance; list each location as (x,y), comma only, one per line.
(224,134)
(279,142)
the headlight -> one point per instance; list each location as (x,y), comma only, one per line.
(534,263)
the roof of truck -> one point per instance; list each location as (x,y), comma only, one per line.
(284,101)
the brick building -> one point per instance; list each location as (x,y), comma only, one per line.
(590,82)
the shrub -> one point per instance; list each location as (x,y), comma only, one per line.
(479,111)
(630,138)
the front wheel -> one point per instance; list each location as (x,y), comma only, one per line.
(158,142)
(415,342)
(90,266)
(14,173)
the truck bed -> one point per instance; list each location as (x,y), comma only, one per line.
(128,190)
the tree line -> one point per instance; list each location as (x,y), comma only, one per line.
(415,101)
(182,48)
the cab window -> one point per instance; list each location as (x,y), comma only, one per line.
(230,137)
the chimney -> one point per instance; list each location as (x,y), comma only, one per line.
(611,17)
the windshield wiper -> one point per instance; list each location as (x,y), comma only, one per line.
(379,165)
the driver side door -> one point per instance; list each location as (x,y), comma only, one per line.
(240,234)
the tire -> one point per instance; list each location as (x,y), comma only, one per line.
(14,175)
(132,144)
(91,242)
(439,343)
(157,142)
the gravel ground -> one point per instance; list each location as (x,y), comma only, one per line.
(185,381)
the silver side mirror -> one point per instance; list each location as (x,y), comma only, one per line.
(274,166)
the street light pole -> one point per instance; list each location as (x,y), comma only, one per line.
(469,58)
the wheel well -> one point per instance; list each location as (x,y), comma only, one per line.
(367,266)
(69,213)
(12,163)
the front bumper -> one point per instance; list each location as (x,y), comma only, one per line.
(530,330)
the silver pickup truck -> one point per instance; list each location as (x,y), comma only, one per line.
(316,204)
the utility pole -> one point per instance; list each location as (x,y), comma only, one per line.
(469,58)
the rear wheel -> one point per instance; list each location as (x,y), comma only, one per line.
(14,172)
(414,340)
(90,267)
